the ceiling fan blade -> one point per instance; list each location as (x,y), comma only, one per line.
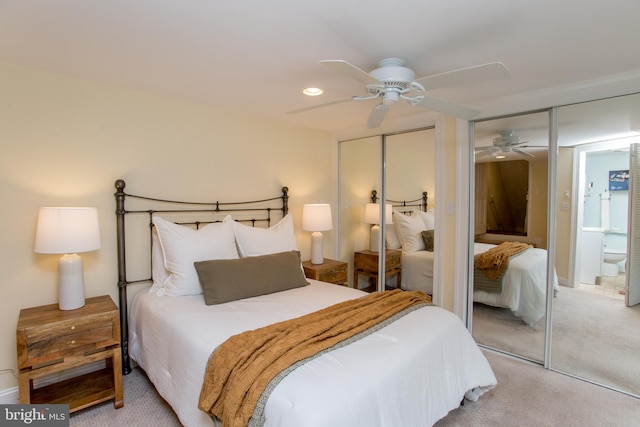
(313,107)
(377,116)
(483,153)
(524,153)
(464,76)
(351,70)
(486,147)
(447,107)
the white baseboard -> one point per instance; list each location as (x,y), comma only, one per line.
(9,396)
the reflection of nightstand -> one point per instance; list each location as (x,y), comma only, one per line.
(330,270)
(51,341)
(366,263)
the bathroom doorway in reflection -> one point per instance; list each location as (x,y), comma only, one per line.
(604,172)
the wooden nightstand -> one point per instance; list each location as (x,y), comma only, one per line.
(51,341)
(330,270)
(366,263)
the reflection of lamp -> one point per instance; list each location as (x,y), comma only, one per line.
(372,216)
(316,218)
(67,231)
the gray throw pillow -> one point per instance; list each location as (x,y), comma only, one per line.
(427,236)
(227,280)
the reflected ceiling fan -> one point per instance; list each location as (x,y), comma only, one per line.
(507,142)
(391,81)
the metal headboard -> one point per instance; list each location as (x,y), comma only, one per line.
(255,212)
(420,203)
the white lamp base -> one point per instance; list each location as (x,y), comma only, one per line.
(71,287)
(374,244)
(316,248)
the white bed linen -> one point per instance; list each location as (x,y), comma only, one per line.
(412,372)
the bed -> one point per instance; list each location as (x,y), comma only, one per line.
(523,285)
(425,361)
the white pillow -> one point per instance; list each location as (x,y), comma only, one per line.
(256,241)
(429,219)
(410,230)
(159,272)
(392,238)
(182,246)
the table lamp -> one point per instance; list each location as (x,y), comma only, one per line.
(372,216)
(316,218)
(68,231)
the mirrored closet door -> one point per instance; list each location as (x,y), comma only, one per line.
(410,190)
(595,317)
(360,172)
(400,167)
(511,180)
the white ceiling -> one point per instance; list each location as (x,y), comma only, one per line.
(255,56)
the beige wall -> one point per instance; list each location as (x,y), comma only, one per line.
(563,217)
(538,202)
(410,165)
(447,230)
(64,141)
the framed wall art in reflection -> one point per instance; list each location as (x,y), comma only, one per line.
(619,180)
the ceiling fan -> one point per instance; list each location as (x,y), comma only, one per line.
(391,81)
(507,142)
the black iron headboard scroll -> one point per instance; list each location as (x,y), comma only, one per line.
(420,203)
(253,211)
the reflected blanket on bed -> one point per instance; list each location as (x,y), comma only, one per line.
(494,262)
(243,370)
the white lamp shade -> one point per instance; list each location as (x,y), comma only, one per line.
(372,214)
(316,217)
(67,230)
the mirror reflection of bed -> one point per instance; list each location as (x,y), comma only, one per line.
(519,286)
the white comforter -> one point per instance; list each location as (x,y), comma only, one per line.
(409,373)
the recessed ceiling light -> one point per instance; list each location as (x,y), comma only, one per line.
(501,157)
(312,91)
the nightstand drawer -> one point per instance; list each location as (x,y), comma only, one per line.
(334,276)
(330,271)
(60,340)
(365,263)
(46,334)
(393,261)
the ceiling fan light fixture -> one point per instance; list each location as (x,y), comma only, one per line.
(390,97)
(312,91)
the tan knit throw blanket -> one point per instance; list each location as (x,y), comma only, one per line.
(494,261)
(241,369)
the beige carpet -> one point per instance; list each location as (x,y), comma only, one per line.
(143,407)
(526,396)
(594,336)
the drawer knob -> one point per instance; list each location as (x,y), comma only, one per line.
(73,341)
(73,327)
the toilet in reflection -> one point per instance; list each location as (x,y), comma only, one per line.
(611,258)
